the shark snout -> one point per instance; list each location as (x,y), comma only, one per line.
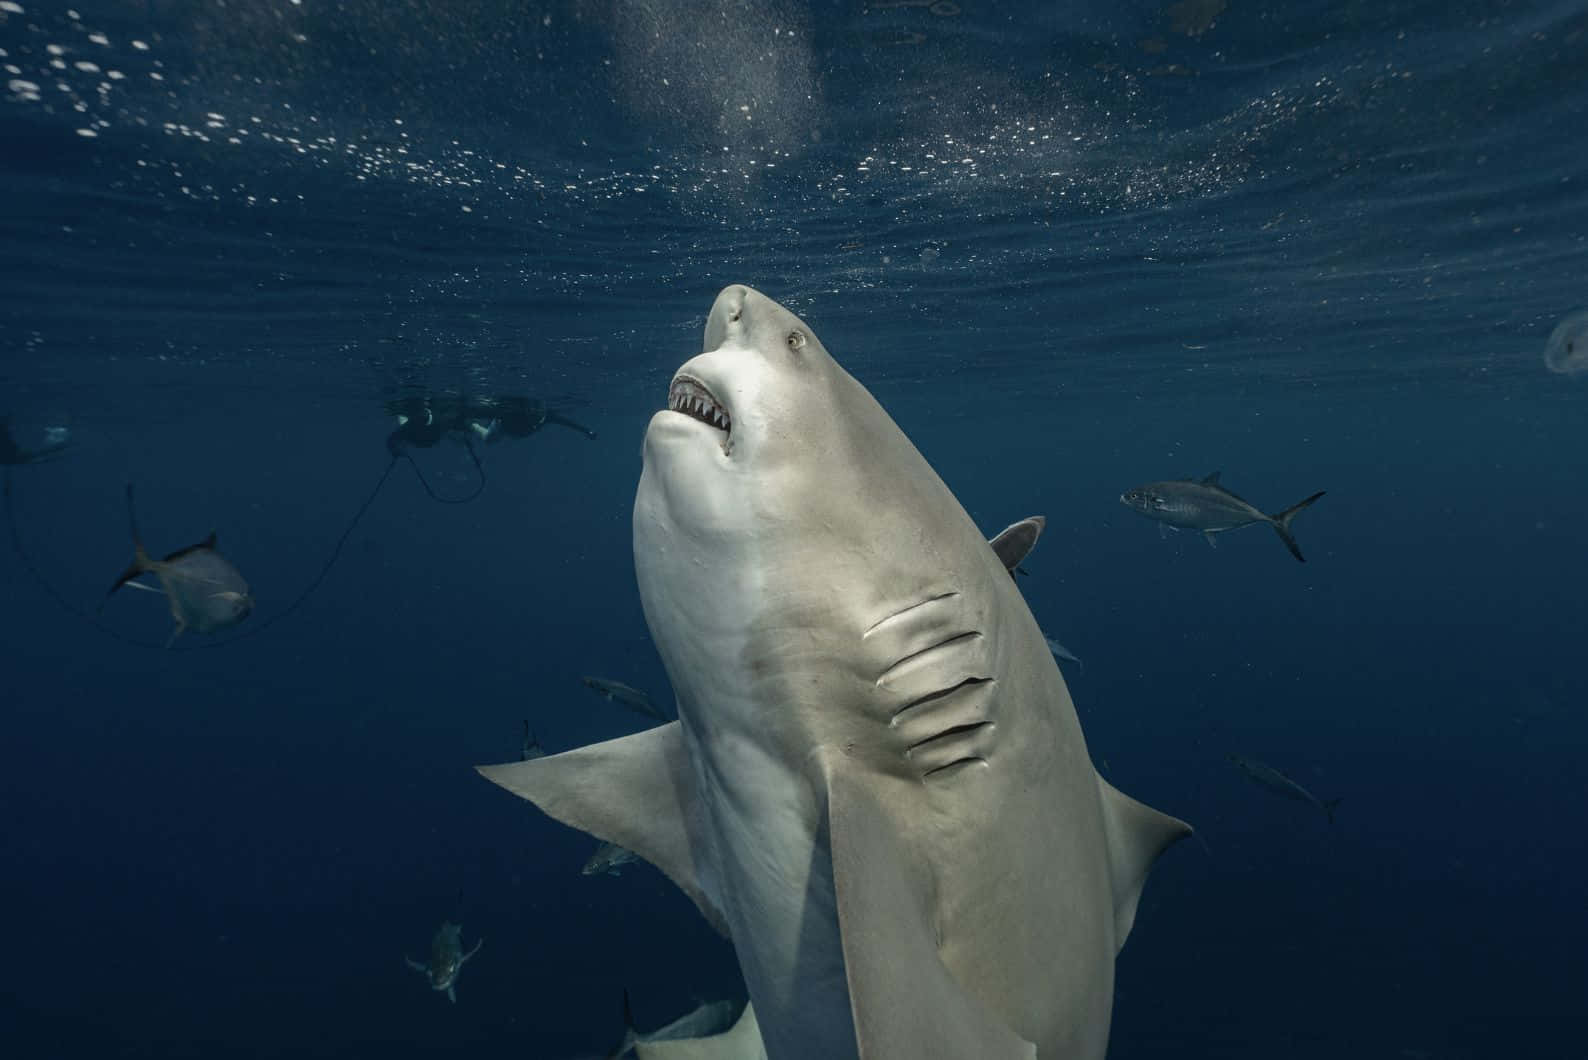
(727,318)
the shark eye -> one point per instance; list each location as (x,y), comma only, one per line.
(796,340)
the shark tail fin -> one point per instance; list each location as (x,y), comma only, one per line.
(1329,807)
(1281,524)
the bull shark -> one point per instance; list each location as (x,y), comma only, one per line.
(877,786)
(206,593)
(446,959)
(1205,505)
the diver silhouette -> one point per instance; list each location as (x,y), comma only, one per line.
(497,419)
(425,420)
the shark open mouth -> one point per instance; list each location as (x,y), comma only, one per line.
(692,398)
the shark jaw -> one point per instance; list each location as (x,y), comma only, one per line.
(694,399)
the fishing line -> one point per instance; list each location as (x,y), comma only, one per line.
(49,590)
(325,570)
(433,495)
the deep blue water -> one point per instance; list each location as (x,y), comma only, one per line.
(1071,247)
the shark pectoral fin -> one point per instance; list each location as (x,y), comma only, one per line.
(176,632)
(1015,542)
(637,792)
(1213,542)
(452,995)
(416,966)
(905,1003)
(742,1041)
(1137,834)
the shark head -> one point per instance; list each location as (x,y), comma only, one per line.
(780,504)
(747,422)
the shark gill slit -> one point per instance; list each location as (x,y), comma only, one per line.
(968,729)
(955,765)
(949,642)
(900,614)
(941,693)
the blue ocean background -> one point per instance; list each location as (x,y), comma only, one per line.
(1070,247)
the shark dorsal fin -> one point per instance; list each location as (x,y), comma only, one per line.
(1015,542)
(637,792)
(1137,834)
(904,1001)
(1212,480)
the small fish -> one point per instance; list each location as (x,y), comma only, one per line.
(205,591)
(446,959)
(1061,652)
(1279,784)
(1188,504)
(608,858)
(531,747)
(13,455)
(704,1021)
(630,697)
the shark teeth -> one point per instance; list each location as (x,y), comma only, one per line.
(690,397)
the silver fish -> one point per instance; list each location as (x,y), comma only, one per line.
(608,858)
(1061,652)
(446,959)
(1279,784)
(530,748)
(206,593)
(629,696)
(1189,504)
